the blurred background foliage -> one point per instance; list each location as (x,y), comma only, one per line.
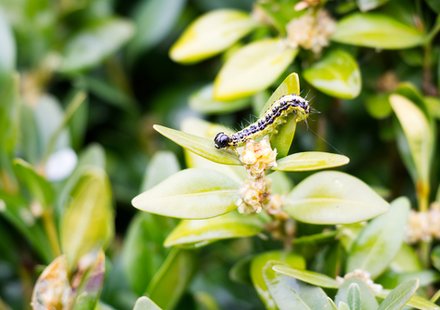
(82,83)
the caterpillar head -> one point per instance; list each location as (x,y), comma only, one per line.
(222,140)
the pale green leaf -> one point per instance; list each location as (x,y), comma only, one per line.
(87,223)
(418,133)
(259,273)
(201,232)
(289,293)
(8,48)
(145,303)
(331,197)
(204,102)
(415,301)
(201,146)
(153,20)
(161,166)
(190,194)
(377,31)
(353,297)
(366,296)
(171,280)
(94,43)
(210,34)
(380,241)
(252,68)
(307,161)
(311,277)
(208,130)
(337,74)
(399,296)
(367,5)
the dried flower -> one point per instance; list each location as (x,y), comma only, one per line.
(423,226)
(363,276)
(311,31)
(257,157)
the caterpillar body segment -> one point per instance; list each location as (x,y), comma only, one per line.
(271,119)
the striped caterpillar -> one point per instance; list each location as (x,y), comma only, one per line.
(271,119)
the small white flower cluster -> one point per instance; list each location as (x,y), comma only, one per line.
(424,226)
(256,157)
(363,276)
(311,31)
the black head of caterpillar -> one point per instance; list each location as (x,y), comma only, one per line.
(271,119)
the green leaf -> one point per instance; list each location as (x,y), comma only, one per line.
(259,272)
(331,197)
(433,105)
(288,293)
(171,280)
(418,134)
(399,296)
(337,74)
(201,232)
(406,260)
(39,187)
(366,296)
(161,166)
(415,301)
(200,146)
(8,48)
(307,161)
(368,5)
(202,101)
(208,130)
(95,42)
(377,31)
(141,253)
(252,68)
(210,34)
(380,241)
(311,277)
(153,20)
(9,115)
(435,257)
(378,106)
(87,223)
(282,139)
(145,303)
(190,194)
(353,297)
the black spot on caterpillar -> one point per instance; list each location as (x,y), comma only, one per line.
(268,122)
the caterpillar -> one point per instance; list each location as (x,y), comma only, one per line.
(272,118)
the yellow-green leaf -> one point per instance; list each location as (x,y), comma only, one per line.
(307,161)
(210,34)
(417,131)
(337,74)
(252,68)
(310,277)
(190,194)
(377,31)
(199,145)
(87,223)
(201,232)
